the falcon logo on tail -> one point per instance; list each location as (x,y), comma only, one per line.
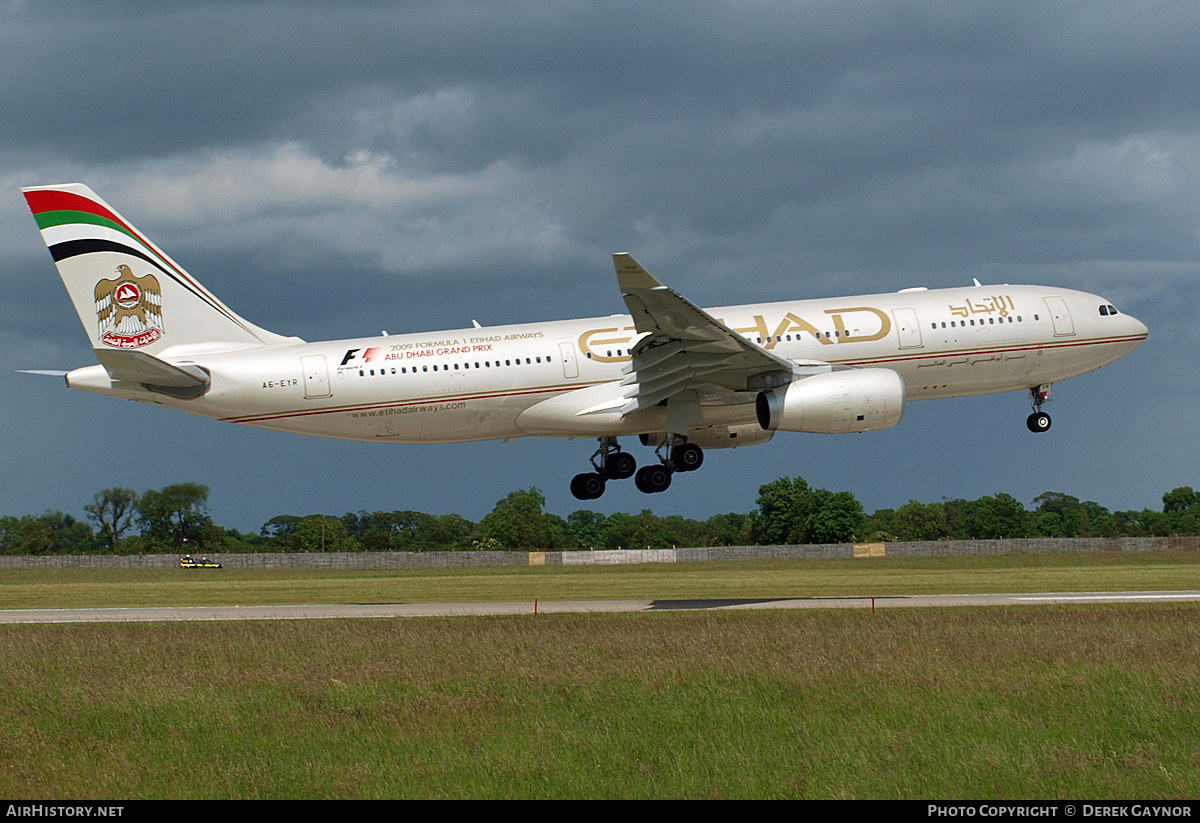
(129,309)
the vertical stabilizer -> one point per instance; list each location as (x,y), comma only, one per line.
(128,293)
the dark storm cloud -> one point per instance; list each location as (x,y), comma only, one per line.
(169,77)
(736,122)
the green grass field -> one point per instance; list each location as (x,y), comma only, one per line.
(88,588)
(1098,701)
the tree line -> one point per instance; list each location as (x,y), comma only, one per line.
(789,511)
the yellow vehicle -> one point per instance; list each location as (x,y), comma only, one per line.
(189,562)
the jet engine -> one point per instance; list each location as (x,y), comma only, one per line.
(855,400)
(720,436)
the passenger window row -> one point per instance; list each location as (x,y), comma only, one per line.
(953,324)
(779,338)
(486,364)
(991,321)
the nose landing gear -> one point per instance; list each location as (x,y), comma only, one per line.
(1039,421)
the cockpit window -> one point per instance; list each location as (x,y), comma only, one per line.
(1108,310)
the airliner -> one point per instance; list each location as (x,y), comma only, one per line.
(679,378)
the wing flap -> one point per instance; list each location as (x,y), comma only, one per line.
(662,368)
(684,347)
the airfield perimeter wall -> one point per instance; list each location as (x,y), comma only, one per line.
(433,560)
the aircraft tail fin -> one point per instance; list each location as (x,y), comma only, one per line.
(128,293)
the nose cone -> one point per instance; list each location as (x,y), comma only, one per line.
(1136,328)
(1131,335)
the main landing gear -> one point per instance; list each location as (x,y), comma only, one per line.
(1039,421)
(674,453)
(610,463)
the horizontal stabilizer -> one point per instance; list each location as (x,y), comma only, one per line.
(183,380)
(43,372)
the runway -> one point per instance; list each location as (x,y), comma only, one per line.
(317,612)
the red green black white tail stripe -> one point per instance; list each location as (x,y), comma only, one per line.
(114,275)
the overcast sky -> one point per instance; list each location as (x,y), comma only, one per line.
(333,170)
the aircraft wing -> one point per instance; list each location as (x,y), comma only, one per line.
(685,347)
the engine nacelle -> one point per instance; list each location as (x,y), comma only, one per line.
(728,436)
(856,400)
(720,436)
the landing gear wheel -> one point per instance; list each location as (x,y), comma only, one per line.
(621,465)
(687,457)
(652,479)
(1038,422)
(587,486)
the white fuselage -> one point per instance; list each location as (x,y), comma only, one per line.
(485,383)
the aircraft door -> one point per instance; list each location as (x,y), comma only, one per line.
(1061,315)
(570,363)
(908,328)
(316,376)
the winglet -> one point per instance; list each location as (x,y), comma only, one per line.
(630,274)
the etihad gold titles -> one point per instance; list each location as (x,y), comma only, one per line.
(679,378)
